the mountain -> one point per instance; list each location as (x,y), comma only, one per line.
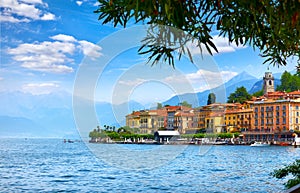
(52,115)
(259,85)
(36,115)
(243,76)
(222,92)
(22,127)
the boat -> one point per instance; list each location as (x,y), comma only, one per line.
(297,140)
(259,144)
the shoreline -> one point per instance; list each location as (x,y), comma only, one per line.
(189,143)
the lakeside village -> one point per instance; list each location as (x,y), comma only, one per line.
(270,119)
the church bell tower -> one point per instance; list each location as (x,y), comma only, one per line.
(268,82)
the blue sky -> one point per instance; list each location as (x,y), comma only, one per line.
(44,44)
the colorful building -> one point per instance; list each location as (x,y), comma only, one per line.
(274,119)
(271,117)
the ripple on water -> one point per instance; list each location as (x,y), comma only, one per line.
(52,166)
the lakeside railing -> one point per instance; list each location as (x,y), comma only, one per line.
(294,189)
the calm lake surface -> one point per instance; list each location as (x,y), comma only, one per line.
(49,165)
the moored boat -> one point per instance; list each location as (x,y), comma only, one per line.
(259,144)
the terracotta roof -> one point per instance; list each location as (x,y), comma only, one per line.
(184,114)
(239,111)
(297,92)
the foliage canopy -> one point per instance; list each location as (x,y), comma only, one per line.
(293,169)
(272,26)
(211,98)
(239,96)
(289,82)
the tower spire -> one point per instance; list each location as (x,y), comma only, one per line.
(268,82)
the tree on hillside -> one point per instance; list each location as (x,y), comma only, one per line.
(159,106)
(289,82)
(269,25)
(211,98)
(185,104)
(258,93)
(239,96)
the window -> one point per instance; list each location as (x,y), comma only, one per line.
(283,107)
(297,114)
(277,108)
(262,109)
(297,107)
(256,109)
(296,120)
(284,120)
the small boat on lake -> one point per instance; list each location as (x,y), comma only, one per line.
(296,142)
(259,144)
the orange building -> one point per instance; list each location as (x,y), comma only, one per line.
(274,119)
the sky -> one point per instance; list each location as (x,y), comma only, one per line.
(50,46)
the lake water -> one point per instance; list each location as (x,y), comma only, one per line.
(49,165)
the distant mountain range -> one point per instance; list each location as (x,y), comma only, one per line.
(27,115)
(222,92)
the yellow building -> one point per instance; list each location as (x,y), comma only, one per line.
(148,121)
(133,119)
(238,119)
(214,122)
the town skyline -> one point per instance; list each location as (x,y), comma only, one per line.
(43,48)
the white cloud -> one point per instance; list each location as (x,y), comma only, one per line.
(79,3)
(90,49)
(96,3)
(1,78)
(63,37)
(48,16)
(11,19)
(209,76)
(135,82)
(24,11)
(54,56)
(40,88)
(222,44)
(33,1)
(203,79)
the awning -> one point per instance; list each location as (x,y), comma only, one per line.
(167,133)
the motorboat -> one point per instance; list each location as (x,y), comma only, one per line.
(259,144)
